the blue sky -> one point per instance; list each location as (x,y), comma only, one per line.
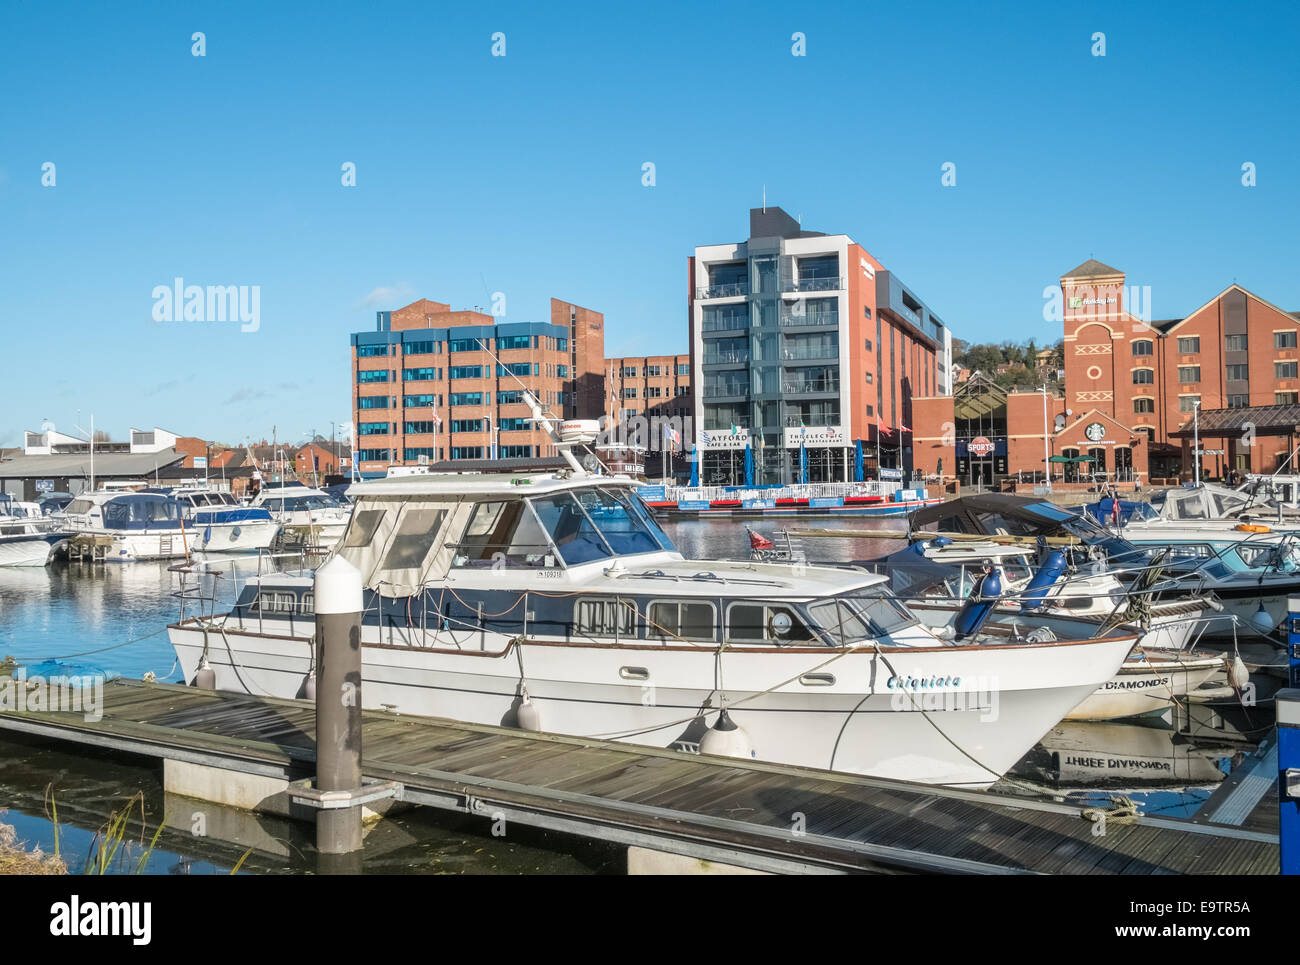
(522,174)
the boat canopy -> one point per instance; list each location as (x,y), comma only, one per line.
(401,543)
(140,511)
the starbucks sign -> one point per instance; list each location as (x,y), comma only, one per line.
(1095,431)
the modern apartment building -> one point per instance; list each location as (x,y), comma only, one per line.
(804,338)
(430,384)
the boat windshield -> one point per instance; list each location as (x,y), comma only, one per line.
(861,615)
(596,523)
(298,504)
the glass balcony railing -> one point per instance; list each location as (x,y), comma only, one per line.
(815,417)
(810,319)
(726,390)
(724,290)
(831,283)
(726,358)
(807,386)
(726,323)
(801,353)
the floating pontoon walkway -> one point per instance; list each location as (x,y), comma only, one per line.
(749,814)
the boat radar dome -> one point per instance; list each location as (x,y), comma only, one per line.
(579,432)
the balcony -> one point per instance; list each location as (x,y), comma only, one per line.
(810,320)
(810,353)
(729,323)
(726,358)
(813,418)
(725,290)
(832,283)
(727,390)
(810,386)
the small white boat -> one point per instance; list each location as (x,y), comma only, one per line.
(123,526)
(26,542)
(305,515)
(217,523)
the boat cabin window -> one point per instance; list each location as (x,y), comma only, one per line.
(140,510)
(759,622)
(605,618)
(1190,551)
(281,601)
(413,539)
(1190,506)
(860,616)
(1226,504)
(671,620)
(363,527)
(79,507)
(298,504)
(503,533)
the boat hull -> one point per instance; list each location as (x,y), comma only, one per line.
(235,537)
(31,550)
(1147,685)
(944,715)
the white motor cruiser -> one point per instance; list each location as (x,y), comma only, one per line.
(219,524)
(26,537)
(556,602)
(305,515)
(126,526)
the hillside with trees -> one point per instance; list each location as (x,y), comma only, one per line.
(1011,364)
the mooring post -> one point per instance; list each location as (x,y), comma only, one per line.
(1288,779)
(337,593)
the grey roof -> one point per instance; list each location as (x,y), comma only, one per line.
(1265,420)
(1092,268)
(539,464)
(77,465)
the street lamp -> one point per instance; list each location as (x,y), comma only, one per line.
(1196,440)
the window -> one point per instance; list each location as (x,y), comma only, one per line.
(562,371)
(758,622)
(372,429)
(870,378)
(1238,373)
(372,375)
(1187,403)
(418,348)
(420,427)
(514,452)
(466,425)
(362,527)
(372,455)
(1284,339)
(466,372)
(672,620)
(1286,398)
(510,397)
(419,401)
(418,375)
(1284,370)
(871,410)
(868,344)
(866,311)
(1189,373)
(561,345)
(467,398)
(517,368)
(683,390)
(414,538)
(1190,345)
(1238,401)
(467,452)
(605,618)
(1144,405)
(414,453)
(371,351)
(466,345)
(1144,377)
(683,368)
(1142,347)
(629,393)
(1236,343)
(653,392)
(372,402)
(629,372)
(507,342)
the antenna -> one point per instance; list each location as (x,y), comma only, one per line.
(543,416)
(765,199)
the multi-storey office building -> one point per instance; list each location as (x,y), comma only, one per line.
(799,337)
(1132,386)
(431,384)
(648,411)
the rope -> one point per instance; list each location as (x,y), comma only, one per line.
(87,653)
(1124,811)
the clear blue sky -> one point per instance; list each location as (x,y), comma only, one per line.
(522,174)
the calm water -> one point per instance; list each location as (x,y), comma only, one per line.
(113,617)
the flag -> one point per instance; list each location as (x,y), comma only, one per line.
(735,430)
(704,438)
(437,419)
(903,427)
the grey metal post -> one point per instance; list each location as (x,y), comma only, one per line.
(337,594)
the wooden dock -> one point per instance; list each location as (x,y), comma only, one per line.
(745,814)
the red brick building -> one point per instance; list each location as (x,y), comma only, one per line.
(642,395)
(1131,388)
(432,384)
